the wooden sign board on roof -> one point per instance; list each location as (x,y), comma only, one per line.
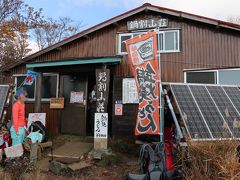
(56,103)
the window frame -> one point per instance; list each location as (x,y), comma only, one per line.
(44,74)
(15,83)
(57,86)
(119,35)
(208,70)
(170,51)
(201,71)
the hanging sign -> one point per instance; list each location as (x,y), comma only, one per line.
(118,108)
(30,78)
(56,103)
(142,54)
(129,91)
(102,79)
(101,126)
(147,24)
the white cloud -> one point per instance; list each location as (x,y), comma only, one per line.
(219,9)
(33,46)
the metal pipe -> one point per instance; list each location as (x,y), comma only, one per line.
(179,132)
(161,117)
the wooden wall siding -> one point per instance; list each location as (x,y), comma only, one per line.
(125,124)
(202,46)
(51,116)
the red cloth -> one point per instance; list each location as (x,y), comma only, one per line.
(168,135)
(18,116)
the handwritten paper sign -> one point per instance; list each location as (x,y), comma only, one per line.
(56,103)
(32,117)
(76,97)
(14,151)
(101,125)
(129,91)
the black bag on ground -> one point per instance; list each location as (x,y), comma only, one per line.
(152,164)
(38,126)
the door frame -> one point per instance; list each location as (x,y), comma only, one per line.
(61,90)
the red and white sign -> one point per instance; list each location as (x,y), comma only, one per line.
(142,55)
(118,109)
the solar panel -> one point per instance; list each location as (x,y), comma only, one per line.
(228,111)
(209,111)
(234,94)
(190,113)
(3,97)
(211,114)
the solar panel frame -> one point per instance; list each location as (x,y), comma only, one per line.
(194,131)
(234,94)
(214,120)
(4,89)
(233,105)
(226,107)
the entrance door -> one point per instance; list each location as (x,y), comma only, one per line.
(73,119)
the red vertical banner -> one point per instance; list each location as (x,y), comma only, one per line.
(142,55)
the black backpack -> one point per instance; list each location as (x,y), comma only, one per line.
(38,126)
(152,163)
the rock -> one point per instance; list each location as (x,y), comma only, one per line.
(79,165)
(56,167)
(105,172)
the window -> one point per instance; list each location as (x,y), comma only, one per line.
(201,77)
(122,38)
(49,86)
(229,77)
(216,76)
(169,41)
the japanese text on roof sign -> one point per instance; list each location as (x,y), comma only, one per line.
(147,23)
(142,56)
(102,77)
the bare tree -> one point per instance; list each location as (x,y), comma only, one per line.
(16,19)
(53,31)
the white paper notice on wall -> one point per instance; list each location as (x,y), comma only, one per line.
(76,97)
(101,126)
(129,91)
(32,117)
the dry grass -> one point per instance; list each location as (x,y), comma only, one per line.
(212,160)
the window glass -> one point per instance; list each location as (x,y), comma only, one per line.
(30,89)
(123,39)
(201,77)
(169,41)
(49,86)
(229,77)
(161,41)
(176,40)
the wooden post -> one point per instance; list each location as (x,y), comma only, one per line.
(102,82)
(37,108)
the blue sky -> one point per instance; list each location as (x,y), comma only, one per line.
(91,12)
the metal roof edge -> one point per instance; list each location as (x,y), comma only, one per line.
(75,62)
